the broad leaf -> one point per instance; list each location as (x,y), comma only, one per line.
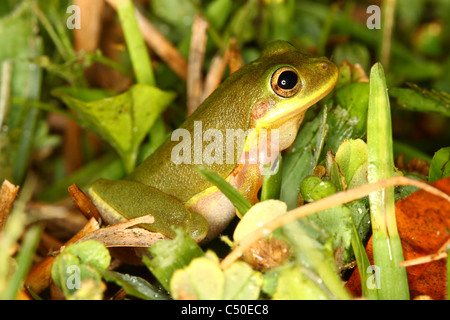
(123,120)
(204,280)
(170,255)
(418,99)
(440,165)
(77,270)
(134,286)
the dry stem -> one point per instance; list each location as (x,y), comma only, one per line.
(326,203)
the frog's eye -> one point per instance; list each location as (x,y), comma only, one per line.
(285,82)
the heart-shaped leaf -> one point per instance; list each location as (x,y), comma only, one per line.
(203,279)
(352,159)
(79,266)
(122,120)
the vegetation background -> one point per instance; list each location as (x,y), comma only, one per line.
(71,100)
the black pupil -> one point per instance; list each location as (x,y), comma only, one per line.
(287,80)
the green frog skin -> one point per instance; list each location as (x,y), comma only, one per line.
(270,93)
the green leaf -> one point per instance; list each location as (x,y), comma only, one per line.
(259,214)
(336,176)
(24,260)
(134,286)
(316,255)
(170,255)
(348,118)
(62,276)
(302,157)
(83,94)
(241,25)
(91,288)
(294,284)
(347,170)
(70,275)
(122,120)
(313,188)
(18,119)
(218,12)
(91,252)
(295,168)
(387,248)
(237,199)
(242,282)
(361,217)
(271,185)
(178,13)
(353,52)
(135,43)
(352,160)
(345,75)
(423,100)
(338,222)
(204,280)
(440,165)
(363,263)
(77,270)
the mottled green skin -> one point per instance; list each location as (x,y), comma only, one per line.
(228,107)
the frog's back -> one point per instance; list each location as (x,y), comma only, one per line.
(229,107)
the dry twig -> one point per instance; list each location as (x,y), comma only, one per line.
(326,203)
(195,66)
(440,254)
(8,194)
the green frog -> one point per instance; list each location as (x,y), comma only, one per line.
(269,95)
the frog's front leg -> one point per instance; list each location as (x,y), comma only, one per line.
(121,200)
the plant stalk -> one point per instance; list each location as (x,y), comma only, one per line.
(387,248)
(140,58)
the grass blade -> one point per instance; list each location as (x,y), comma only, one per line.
(271,185)
(363,263)
(229,191)
(387,249)
(24,261)
(134,286)
(135,43)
